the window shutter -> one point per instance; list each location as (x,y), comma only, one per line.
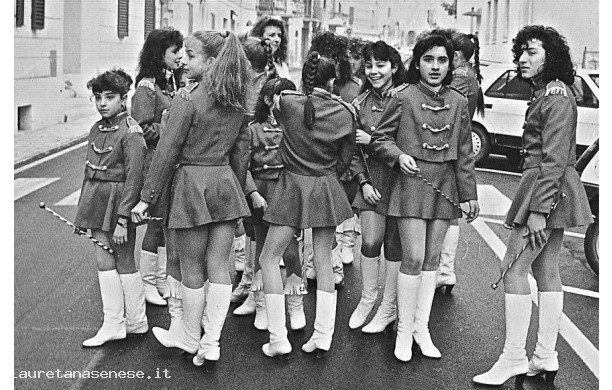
(19,12)
(123,18)
(149,17)
(38,14)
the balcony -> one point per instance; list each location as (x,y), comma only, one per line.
(271,7)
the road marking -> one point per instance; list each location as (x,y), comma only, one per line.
(90,367)
(570,332)
(492,201)
(70,200)
(500,172)
(579,291)
(500,222)
(25,186)
(50,157)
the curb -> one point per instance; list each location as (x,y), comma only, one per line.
(46,153)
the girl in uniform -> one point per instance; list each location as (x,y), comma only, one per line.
(207,150)
(550,198)
(317,146)
(156,83)
(425,129)
(113,179)
(273,30)
(384,70)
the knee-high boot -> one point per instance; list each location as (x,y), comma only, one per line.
(446,269)
(544,359)
(325,321)
(407,293)
(387,311)
(175,302)
(148,266)
(135,306)
(217,305)
(160,271)
(185,335)
(513,360)
(369,291)
(421,316)
(113,327)
(279,343)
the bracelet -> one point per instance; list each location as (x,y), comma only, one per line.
(123,225)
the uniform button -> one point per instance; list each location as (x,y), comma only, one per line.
(373,128)
(424,125)
(265,166)
(523,152)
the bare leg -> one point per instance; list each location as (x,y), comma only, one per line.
(322,239)
(277,240)
(220,238)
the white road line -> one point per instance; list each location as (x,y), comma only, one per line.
(90,367)
(492,201)
(24,186)
(570,332)
(70,200)
(500,222)
(579,291)
(500,172)
(50,157)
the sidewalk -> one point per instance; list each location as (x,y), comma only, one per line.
(35,144)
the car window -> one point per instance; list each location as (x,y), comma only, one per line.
(509,86)
(595,78)
(584,95)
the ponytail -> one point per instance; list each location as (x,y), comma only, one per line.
(308,75)
(228,76)
(480,105)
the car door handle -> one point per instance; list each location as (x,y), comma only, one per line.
(488,105)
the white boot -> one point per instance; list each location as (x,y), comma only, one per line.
(325,320)
(513,360)
(175,303)
(337,265)
(369,291)
(239,252)
(279,343)
(347,253)
(160,272)
(217,305)
(309,269)
(421,334)
(544,359)
(205,312)
(135,306)
(387,311)
(186,335)
(295,307)
(247,307)
(407,293)
(446,269)
(113,327)
(261,318)
(148,265)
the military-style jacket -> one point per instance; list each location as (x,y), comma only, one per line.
(430,126)
(466,81)
(349,90)
(199,132)
(266,137)
(329,146)
(115,152)
(148,104)
(549,139)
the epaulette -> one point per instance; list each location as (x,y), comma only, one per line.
(147,83)
(360,98)
(357,80)
(185,91)
(348,106)
(291,92)
(393,92)
(133,126)
(556,87)
(456,89)
(251,123)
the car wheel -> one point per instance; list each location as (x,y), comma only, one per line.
(480,143)
(591,245)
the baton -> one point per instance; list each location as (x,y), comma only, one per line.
(76,229)
(436,189)
(552,207)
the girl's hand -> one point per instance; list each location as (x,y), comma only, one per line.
(120,234)
(258,201)
(370,194)
(139,212)
(536,225)
(472,208)
(363,138)
(408,165)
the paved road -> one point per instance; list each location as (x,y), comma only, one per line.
(57,305)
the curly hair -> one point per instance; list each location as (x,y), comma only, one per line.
(151,58)
(424,44)
(272,86)
(334,46)
(381,51)
(258,52)
(317,71)
(557,63)
(260,27)
(114,80)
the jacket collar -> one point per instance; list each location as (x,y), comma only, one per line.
(428,91)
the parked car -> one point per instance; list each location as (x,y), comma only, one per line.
(506,99)
(588,168)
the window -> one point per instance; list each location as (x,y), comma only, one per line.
(495,16)
(351,15)
(506,22)
(19,12)
(595,78)
(189,18)
(123,14)
(233,20)
(38,14)
(488,31)
(149,17)
(212,21)
(509,86)
(584,95)
(225,23)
